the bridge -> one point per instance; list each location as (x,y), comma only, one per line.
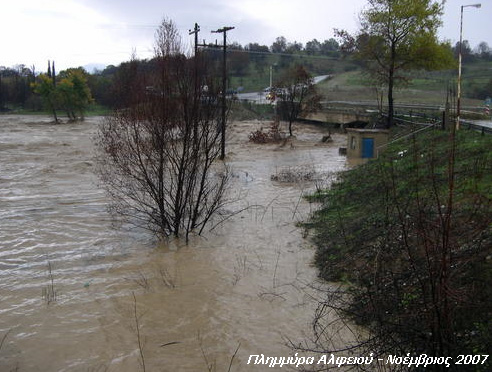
(340,116)
(342,112)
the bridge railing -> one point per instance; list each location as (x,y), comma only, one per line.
(476,126)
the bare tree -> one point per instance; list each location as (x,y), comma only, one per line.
(157,157)
(297,95)
(167,39)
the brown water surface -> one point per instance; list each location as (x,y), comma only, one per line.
(244,282)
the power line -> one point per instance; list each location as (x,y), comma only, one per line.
(278,54)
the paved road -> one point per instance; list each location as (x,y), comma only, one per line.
(260,97)
(479,125)
(483,123)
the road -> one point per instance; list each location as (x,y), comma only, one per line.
(260,97)
(479,125)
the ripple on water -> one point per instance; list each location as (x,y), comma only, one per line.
(240,283)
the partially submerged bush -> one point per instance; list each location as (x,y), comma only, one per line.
(272,136)
(295,174)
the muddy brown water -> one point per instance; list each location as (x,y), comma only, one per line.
(243,283)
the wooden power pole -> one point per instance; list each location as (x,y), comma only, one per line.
(223,30)
(195,31)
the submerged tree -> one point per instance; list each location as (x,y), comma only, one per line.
(397,36)
(297,95)
(73,93)
(157,156)
(46,89)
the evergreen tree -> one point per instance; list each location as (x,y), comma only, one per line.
(53,74)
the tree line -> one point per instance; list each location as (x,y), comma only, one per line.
(108,86)
(68,92)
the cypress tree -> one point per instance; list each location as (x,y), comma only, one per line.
(53,74)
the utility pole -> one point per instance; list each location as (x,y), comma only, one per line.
(197,92)
(195,31)
(458,106)
(223,30)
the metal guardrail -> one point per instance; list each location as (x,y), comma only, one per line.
(473,125)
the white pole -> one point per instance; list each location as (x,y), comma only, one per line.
(458,101)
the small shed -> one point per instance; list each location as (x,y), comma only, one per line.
(364,143)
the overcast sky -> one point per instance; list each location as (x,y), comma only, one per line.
(79,32)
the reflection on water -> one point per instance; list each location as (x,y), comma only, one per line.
(243,283)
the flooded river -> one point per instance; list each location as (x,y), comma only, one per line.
(72,287)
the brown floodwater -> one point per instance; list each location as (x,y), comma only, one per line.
(70,280)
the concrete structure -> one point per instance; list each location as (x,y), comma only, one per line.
(338,116)
(365,143)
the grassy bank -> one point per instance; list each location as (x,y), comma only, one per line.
(422,87)
(410,236)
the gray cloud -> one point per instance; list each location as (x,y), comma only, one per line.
(106,31)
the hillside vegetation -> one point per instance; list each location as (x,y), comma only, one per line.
(250,68)
(410,236)
(430,88)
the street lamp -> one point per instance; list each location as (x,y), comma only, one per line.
(271,75)
(458,102)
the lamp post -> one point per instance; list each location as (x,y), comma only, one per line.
(458,101)
(271,75)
